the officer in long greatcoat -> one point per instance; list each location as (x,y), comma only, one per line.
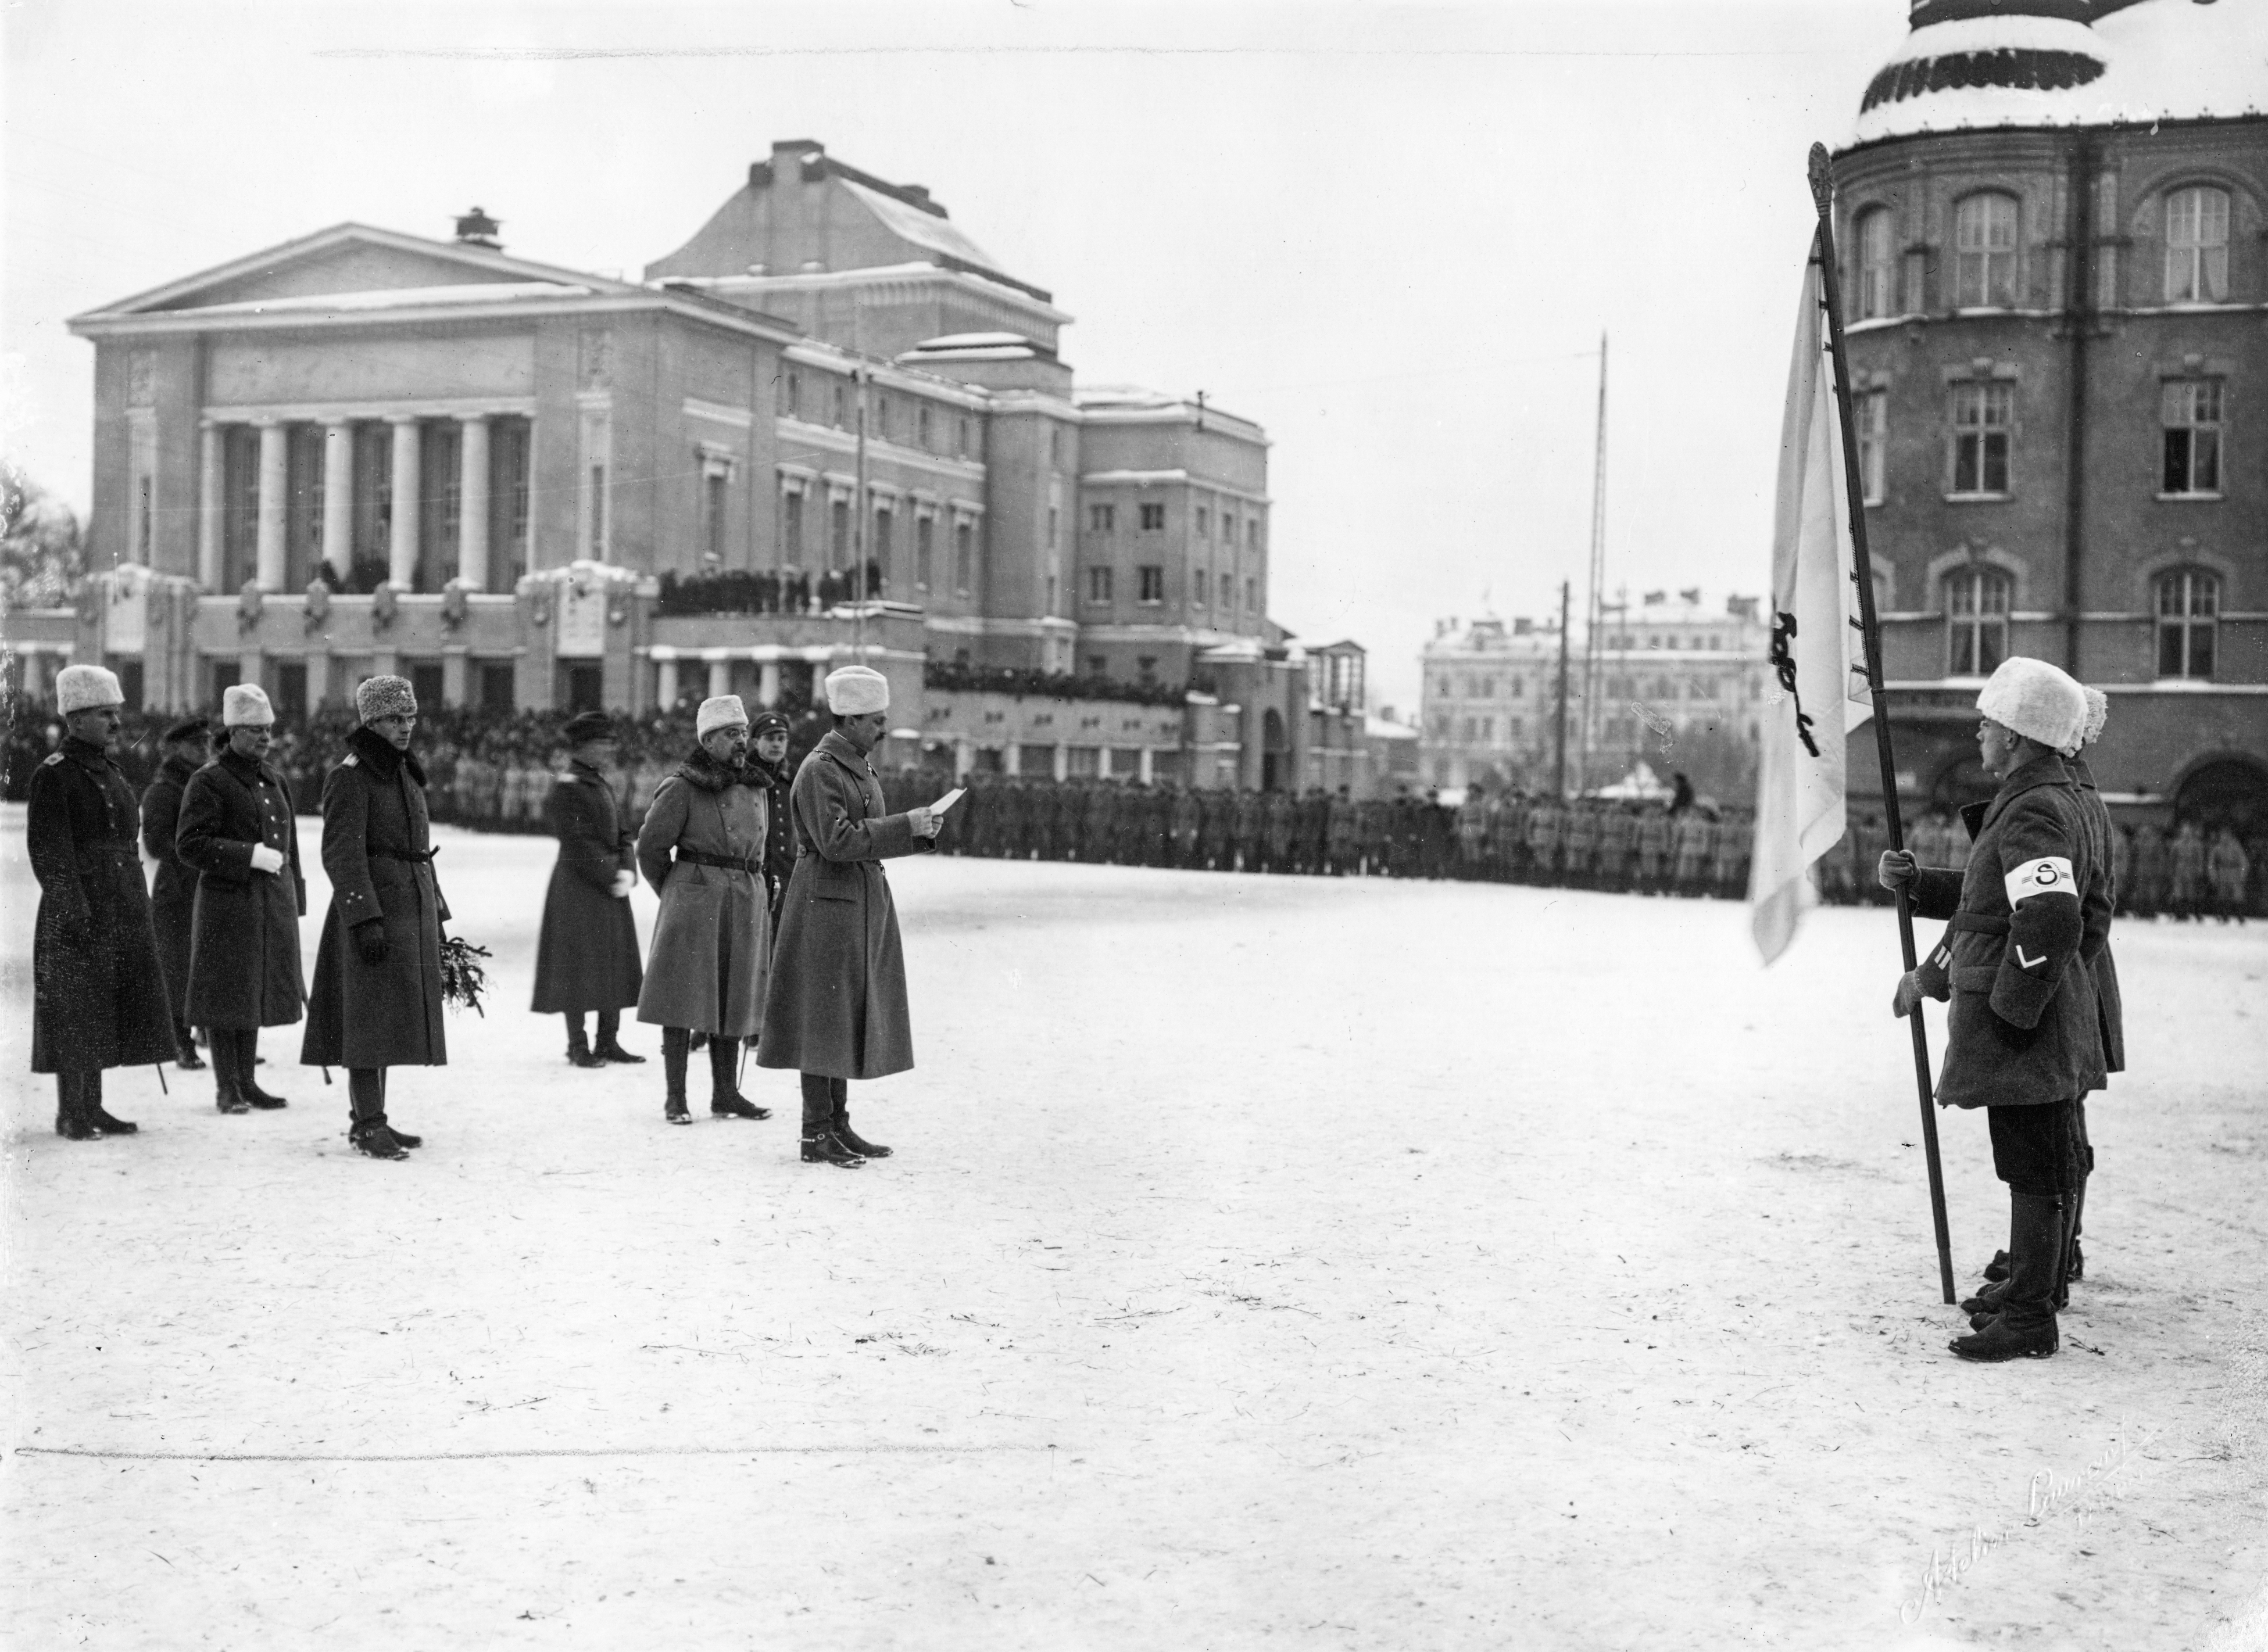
(173,886)
(702,849)
(98,990)
(377,997)
(238,832)
(586,953)
(2024,1038)
(768,763)
(836,1008)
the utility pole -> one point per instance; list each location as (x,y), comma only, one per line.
(858,526)
(1596,617)
(1559,781)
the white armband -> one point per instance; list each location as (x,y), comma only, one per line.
(2050,875)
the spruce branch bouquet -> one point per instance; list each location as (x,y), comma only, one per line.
(463,977)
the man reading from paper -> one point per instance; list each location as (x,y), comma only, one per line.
(836,1010)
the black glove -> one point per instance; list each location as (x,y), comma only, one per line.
(370,941)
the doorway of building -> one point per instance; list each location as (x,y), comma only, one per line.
(2228,791)
(1274,767)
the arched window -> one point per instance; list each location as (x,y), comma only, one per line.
(2196,246)
(1984,253)
(1976,622)
(2188,608)
(1878,267)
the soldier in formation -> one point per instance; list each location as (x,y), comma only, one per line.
(586,952)
(173,886)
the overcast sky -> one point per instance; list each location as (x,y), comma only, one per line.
(1391,233)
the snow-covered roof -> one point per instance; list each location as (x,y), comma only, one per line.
(401,298)
(2156,59)
(977,347)
(912,224)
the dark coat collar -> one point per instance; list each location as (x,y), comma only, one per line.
(2041,771)
(2080,772)
(592,769)
(704,771)
(86,750)
(378,753)
(247,769)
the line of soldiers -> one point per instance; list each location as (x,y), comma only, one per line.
(1507,837)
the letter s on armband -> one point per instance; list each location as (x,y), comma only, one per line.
(2048,875)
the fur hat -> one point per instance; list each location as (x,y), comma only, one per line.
(2032,698)
(86,688)
(2098,713)
(587,725)
(384,697)
(245,705)
(857,690)
(718,711)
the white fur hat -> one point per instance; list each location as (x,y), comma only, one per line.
(857,690)
(2098,713)
(245,705)
(2036,701)
(718,711)
(85,687)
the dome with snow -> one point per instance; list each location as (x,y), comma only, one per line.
(1969,64)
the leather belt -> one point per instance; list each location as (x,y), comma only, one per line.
(727,862)
(413,857)
(1978,923)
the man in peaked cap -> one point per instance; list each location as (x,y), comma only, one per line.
(173,886)
(586,953)
(2023,1039)
(238,832)
(836,1010)
(99,990)
(377,997)
(767,737)
(702,847)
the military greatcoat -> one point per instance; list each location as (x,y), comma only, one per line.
(98,990)
(837,1001)
(173,887)
(586,953)
(244,969)
(377,848)
(703,848)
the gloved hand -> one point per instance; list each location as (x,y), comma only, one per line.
(370,941)
(1909,996)
(625,881)
(267,860)
(1897,869)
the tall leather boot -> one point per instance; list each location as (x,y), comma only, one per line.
(2025,1327)
(228,1084)
(185,1049)
(843,1133)
(608,1048)
(247,1057)
(674,1041)
(579,1042)
(821,1145)
(725,1100)
(91,1108)
(72,1122)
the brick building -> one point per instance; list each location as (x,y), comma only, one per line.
(2050,224)
(829,426)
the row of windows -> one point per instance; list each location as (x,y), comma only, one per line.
(882,541)
(1984,253)
(1620,687)
(1150,587)
(1103,518)
(2187,603)
(1981,423)
(916,424)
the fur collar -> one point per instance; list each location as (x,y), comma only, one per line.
(705,772)
(380,757)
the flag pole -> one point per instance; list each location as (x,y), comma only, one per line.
(1822,195)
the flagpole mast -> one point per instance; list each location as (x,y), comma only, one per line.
(1822,195)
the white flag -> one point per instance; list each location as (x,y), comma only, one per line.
(1816,650)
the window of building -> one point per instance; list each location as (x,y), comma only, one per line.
(712,513)
(791,527)
(1519,686)
(1055,529)
(1252,594)
(1103,518)
(1145,667)
(1153,518)
(1055,447)
(1204,523)
(842,405)
(964,555)
(1878,268)
(598,513)
(1984,253)
(838,531)
(1252,533)
(1153,582)
(2196,246)
(1982,417)
(1976,622)
(921,425)
(925,548)
(1197,582)
(1871,411)
(962,439)
(2191,416)
(1082,762)
(1484,688)
(1099,585)
(789,395)
(2188,608)
(886,521)
(496,685)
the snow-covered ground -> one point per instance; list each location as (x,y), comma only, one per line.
(1265,1261)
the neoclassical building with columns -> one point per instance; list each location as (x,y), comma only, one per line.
(829,426)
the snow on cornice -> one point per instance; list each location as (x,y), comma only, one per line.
(2159,60)
(395,299)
